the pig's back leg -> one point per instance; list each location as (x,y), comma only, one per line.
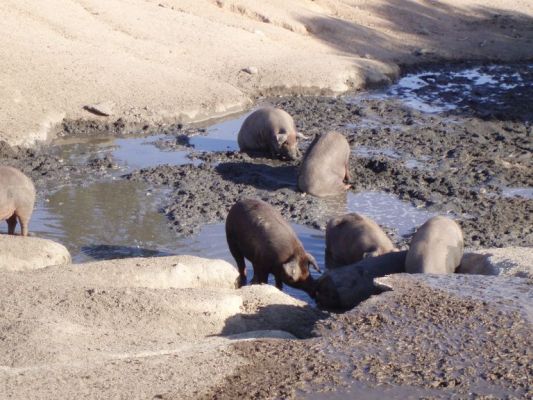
(239,259)
(11,224)
(24,222)
(260,274)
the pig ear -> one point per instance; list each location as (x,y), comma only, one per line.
(312,262)
(281,137)
(292,269)
(300,135)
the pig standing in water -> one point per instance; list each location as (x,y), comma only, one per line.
(258,232)
(325,166)
(352,237)
(17,197)
(270,130)
(436,247)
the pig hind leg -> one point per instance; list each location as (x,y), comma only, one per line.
(11,224)
(24,222)
(239,259)
(260,276)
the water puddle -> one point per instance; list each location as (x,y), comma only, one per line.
(360,390)
(105,220)
(387,210)
(220,137)
(524,192)
(443,90)
(120,219)
(129,153)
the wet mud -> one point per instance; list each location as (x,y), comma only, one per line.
(413,342)
(458,165)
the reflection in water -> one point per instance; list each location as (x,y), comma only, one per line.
(117,213)
(387,210)
(129,153)
(221,136)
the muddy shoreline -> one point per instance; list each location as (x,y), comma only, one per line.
(458,162)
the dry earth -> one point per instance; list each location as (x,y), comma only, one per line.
(151,61)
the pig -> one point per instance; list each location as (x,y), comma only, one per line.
(344,287)
(17,197)
(436,247)
(352,237)
(325,166)
(476,264)
(256,231)
(270,130)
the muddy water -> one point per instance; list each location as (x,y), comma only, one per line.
(112,218)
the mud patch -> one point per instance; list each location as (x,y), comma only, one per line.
(415,340)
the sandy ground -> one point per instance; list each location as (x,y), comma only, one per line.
(181,60)
(116,329)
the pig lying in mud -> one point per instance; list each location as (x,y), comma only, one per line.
(325,166)
(352,237)
(436,247)
(258,232)
(344,287)
(270,130)
(17,197)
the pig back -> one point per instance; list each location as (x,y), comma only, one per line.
(324,165)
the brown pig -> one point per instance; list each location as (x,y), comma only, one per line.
(255,230)
(352,237)
(436,247)
(17,197)
(325,166)
(270,130)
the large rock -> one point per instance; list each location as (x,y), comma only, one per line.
(159,273)
(126,328)
(18,253)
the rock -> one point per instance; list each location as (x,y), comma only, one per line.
(162,273)
(104,109)
(510,261)
(18,253)
(250,70)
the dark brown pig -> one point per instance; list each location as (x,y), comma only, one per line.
(325,166)
(352,237)
(257,231)
(270,130)
(17,197)
(436,247)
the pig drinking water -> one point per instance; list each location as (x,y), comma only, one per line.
(256,231)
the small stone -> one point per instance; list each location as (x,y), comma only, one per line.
(250,70)
(104,109)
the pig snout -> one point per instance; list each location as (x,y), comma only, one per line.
(290,152)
